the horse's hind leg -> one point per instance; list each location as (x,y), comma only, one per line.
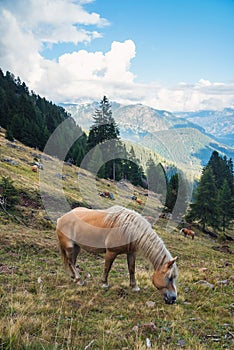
(131,258)
(109,259)
(71,257)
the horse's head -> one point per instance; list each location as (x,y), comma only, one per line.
(164,280)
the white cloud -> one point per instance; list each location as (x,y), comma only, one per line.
(190,97)
(54,20)
(85,75)
(26,26)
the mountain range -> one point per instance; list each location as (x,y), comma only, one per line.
(219,124)
(185,139)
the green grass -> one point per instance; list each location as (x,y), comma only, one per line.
(41,307)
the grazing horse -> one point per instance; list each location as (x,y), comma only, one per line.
(187,232)
(115,231)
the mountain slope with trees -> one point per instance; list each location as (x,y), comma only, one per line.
(32,119)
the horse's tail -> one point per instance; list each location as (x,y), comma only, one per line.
(193,235)
(63,254)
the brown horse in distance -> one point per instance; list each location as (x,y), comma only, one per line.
(187,232)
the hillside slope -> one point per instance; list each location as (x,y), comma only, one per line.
(42,308)
(64,184)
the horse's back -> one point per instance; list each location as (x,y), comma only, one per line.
(85,227)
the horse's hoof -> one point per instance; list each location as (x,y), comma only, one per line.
(81,283)
(105,286)
(136,289)
(78,281)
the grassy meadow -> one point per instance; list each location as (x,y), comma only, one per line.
(42,308)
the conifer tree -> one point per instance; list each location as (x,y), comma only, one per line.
(172,192)
(205,207)
(222,169)
(104,129)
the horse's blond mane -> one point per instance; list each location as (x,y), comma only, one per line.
(135,228)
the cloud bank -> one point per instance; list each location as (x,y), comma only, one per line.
(27,27)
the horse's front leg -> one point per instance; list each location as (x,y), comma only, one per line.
(109,259)
(131,257)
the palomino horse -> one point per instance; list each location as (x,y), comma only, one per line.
(187,232)
(115,231)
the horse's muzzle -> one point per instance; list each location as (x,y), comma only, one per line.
(169,299)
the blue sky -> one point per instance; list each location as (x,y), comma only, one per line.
(169,54)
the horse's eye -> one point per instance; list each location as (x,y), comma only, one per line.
(170,279)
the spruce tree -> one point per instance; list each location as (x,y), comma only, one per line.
(105,129)
(172,192)
(222,169)
(205,207)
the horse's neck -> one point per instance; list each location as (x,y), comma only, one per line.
(152,246)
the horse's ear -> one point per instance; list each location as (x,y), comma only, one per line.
(171,262)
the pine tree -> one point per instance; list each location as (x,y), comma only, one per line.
(172,192)
(222,169)
(205,207)
(105,129)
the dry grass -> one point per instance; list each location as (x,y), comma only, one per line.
(41,307)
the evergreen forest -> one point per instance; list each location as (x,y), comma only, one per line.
(213,204)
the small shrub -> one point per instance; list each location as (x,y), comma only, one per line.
(9,135)
(9,195)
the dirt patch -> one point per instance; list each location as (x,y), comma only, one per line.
(27,201)
(5,269)
(223,249)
